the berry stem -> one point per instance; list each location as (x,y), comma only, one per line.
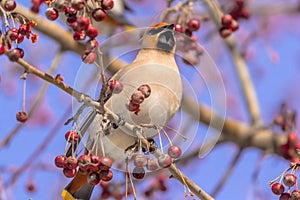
(24,77)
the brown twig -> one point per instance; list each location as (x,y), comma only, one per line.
(36,103)
(240,66)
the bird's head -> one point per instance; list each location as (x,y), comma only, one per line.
(160,36)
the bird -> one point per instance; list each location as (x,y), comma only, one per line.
(154,66)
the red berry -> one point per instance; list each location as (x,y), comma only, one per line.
(152,164)
(225,32)
(292,138)
(13,33)
(226,20)
(234,25)
(277,188)
(93,178)
(139,160)
(193,24)
(295,195)
(178,28)
(106,163)
(138,172)
(164,161)
(60,161)
(20,38)
(107,4)
(71,162)
(88,57)
(106,175)
(70,173)
(10,5)
(91,31)
(133,107)
(2,49)
(83,22)
(174,151)
(137,97)
(285,196)
(30,187)
(24,29)
(22,116)
(91,44)
(51,14)
(145,89)
(70,12)
(80,35)
(115,86)
(289,180)
(95,159)
(98,14)
(71,136)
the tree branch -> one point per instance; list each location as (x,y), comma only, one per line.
(240,66)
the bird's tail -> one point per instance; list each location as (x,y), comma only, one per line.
(78,189)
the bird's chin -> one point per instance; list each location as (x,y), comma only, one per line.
(166,41)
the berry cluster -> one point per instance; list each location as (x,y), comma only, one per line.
(187,43)
(164,161)
(289,180)
(229,25)
(79,16)
(97,168)
(239,10)
(188,27)
(138,97)
(15,28)
(289,150)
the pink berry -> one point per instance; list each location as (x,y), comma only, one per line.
(93,178)
(88,57)
(98,14)
(152,164)
(71,136)
(277,188)
(60,161)
(10,5)
(139,160)
(2,49)
(21,116)
(289,180)
(71,162)
(51,14)
(145,89)
(133,107)
(107,4)
(178,28)
(285,196)
(174,151)
(137,97)
(70,173)
(226,20)
(138,172)
(225,32)
(106,163)
(164,161)
(193,24)
(115,86)
(91,31)
(106,175)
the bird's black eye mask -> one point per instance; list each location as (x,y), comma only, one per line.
(157,30)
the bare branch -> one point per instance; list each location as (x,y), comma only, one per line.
(240,66)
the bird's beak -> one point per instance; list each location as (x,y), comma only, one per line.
(170,27)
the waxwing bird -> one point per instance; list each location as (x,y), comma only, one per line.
(154,66)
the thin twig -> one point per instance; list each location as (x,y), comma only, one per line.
(37,101)
(227,173)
